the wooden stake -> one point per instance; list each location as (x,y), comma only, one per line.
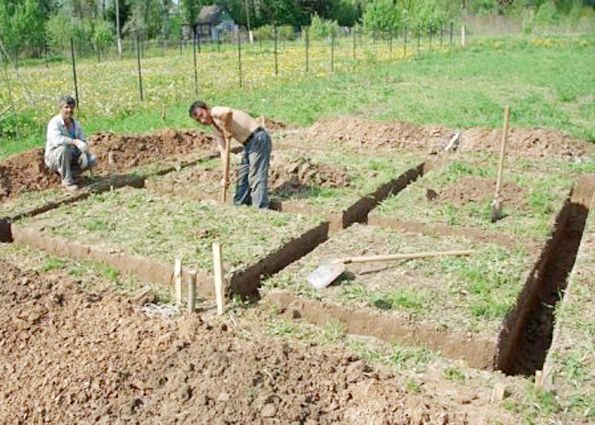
(191,292)
(178,281)
(218,271)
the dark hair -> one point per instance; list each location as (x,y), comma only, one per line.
(67,100)
(199,104)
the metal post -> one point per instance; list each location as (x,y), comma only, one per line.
(307,38)
(390,43)
(275,51)
(431,32)
(76,88)
(418,38)
(441,33)
(332,49)
(405,41)
(140,75)
(239,56)
(451,26)
(195,67)
(118,29)
(354,29)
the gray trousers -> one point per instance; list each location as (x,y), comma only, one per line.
(65,160)
(251,188)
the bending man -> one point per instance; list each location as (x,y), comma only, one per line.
(66,150)
(251,187)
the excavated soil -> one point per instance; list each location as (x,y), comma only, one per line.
(291,177)
(69,356)
(27,171)
(522,141)
(478,190)
(301,173)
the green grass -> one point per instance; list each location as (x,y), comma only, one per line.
(159,228)
(472,293)
(365,174)
(530,216)
(461,88)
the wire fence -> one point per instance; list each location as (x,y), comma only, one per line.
(150,73)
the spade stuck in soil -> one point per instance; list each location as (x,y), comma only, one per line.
(496,205)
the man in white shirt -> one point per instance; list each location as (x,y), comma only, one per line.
(252,179)
(66,150)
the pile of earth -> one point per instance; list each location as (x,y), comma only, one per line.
(302,173)
(471,189)
(27,171)
(71,356)
(367,133)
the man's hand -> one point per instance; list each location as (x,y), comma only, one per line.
(81,145)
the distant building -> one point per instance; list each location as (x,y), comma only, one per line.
(213,23)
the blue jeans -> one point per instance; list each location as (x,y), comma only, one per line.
(253,172)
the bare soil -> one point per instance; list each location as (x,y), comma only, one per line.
(302,173)
(27,171)
(470,189)
(369,134)
(69,356)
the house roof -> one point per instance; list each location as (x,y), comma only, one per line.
(212,14)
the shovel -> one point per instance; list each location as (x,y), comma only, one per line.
(330,270)
(225,182)
(496,205)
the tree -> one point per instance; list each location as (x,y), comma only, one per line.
(382,16)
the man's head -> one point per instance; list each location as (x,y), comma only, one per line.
(200,112)
(67,106)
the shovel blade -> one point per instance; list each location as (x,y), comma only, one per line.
(326,273)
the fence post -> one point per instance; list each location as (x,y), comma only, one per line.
(332,49)
(431,33)
(418,38)
(441,33)
(463,35)
(76,87)
(354,28)
(390,43)
(405,41)
(195,67)
(140,74)
(451,27)
(275,51)
(239,56)
(307,39)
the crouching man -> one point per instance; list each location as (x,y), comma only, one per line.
(66,150)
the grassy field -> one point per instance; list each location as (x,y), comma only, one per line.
(165,229)
(537,197)
(457,88)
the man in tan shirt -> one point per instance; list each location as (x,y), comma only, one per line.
(252,178)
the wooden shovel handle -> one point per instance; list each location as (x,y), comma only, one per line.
(502,149)
(411,256)
(225,169)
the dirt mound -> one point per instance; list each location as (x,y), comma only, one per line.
(129,151)
(271,124)
(374,133)
(478,190)
(25,172)
(521,141)
(68,356)
(301,173)
(533,142)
